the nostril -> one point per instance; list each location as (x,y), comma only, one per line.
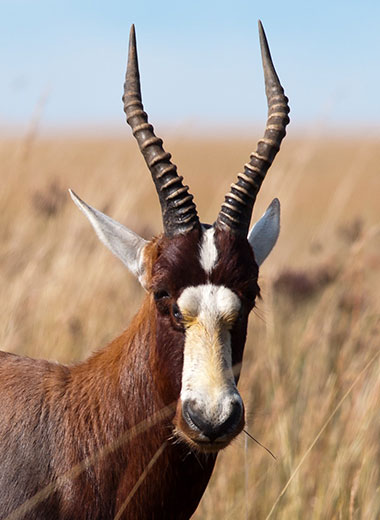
(212,428)
(235,415)
(190,410)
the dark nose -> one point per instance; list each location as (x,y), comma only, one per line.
(212,428)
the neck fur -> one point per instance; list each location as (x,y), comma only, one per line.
(151,474)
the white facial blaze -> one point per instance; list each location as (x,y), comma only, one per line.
(209,312)
(208,253)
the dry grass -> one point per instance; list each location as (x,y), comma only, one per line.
(317,327)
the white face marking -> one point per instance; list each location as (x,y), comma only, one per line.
(208,252)
(209,312)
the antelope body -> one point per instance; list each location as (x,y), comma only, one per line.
(133,431)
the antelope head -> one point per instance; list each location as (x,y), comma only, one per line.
(201,280)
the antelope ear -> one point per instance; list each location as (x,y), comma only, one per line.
(264,233)
(121,241)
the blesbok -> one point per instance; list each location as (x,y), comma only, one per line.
(133,431)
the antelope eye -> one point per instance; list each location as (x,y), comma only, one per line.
(176,312)
(160,295)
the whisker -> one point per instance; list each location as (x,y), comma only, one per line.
(197,459)
(259,443)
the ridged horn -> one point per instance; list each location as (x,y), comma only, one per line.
(179,213)
(236,210)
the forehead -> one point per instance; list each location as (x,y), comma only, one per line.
(207,256)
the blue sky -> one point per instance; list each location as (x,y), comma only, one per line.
(200,62)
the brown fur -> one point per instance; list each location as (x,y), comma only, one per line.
(76,440)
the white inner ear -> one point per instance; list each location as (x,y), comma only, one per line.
(264,233)
(121,241)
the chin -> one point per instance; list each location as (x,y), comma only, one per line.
(201,444)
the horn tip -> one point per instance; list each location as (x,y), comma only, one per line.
(132,65)
(132,36)
(261,30)
(263,39)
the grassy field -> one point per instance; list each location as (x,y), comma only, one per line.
(311,375)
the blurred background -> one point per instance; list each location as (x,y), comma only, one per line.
(200,62)
(311,374)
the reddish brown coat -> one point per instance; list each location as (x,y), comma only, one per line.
(76,440)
